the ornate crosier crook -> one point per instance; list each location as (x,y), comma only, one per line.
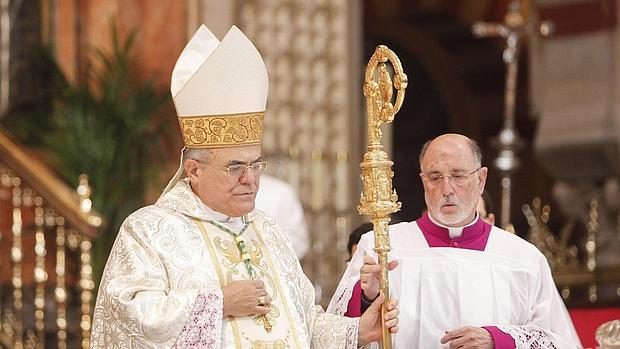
(378,200)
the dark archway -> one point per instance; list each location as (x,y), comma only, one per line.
(451,73)
(422,116)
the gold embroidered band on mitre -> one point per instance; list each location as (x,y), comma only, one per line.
(222,130)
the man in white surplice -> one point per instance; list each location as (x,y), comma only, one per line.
(202,268)
(278,199)
(462,282)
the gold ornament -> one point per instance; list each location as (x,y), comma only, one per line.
(220,131)
(378,200)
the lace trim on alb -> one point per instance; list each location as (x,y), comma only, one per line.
(352,334)
(528,338)
(203,328)
(340,302)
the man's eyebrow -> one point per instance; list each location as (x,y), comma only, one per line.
(235,162)
(239,162)
(454,171)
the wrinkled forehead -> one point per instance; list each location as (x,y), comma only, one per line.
(448,157)
(244,154)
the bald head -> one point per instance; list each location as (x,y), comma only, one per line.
(454,140)
(453,178)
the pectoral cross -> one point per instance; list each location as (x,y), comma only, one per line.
(513,30)
(264,319)
(246,257)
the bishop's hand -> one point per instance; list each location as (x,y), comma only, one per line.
(245,298)
(370,329)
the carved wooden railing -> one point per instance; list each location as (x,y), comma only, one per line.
(46,233)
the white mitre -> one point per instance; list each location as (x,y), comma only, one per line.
(219,91)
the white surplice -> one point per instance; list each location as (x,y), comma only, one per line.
(161,286)
(508,285)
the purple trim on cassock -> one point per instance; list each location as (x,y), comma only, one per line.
(501,339)
(354,308)
(474,237)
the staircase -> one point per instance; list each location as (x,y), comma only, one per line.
(46,234)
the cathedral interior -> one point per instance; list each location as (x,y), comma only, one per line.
(88,132)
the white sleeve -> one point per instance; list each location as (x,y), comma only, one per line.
(135,303)
(549,324)
(340,300)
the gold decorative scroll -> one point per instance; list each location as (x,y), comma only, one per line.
(224,130)
(378,200)
(556,248)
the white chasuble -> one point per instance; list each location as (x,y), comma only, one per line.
(270,331)
(162,284)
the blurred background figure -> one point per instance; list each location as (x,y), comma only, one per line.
(278,199)
(485,208)
(355,236)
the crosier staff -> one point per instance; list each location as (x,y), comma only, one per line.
(378,200)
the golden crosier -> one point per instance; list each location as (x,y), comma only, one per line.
(378,200)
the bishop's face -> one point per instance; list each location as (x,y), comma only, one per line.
(452,182)
(221,189)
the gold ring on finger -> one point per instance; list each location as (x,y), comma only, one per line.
(261,300)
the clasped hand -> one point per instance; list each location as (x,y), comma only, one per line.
(370,322)
(370,329)
(245,298)
(370,273)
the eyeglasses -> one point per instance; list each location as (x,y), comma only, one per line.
(240,169)
(457,178)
